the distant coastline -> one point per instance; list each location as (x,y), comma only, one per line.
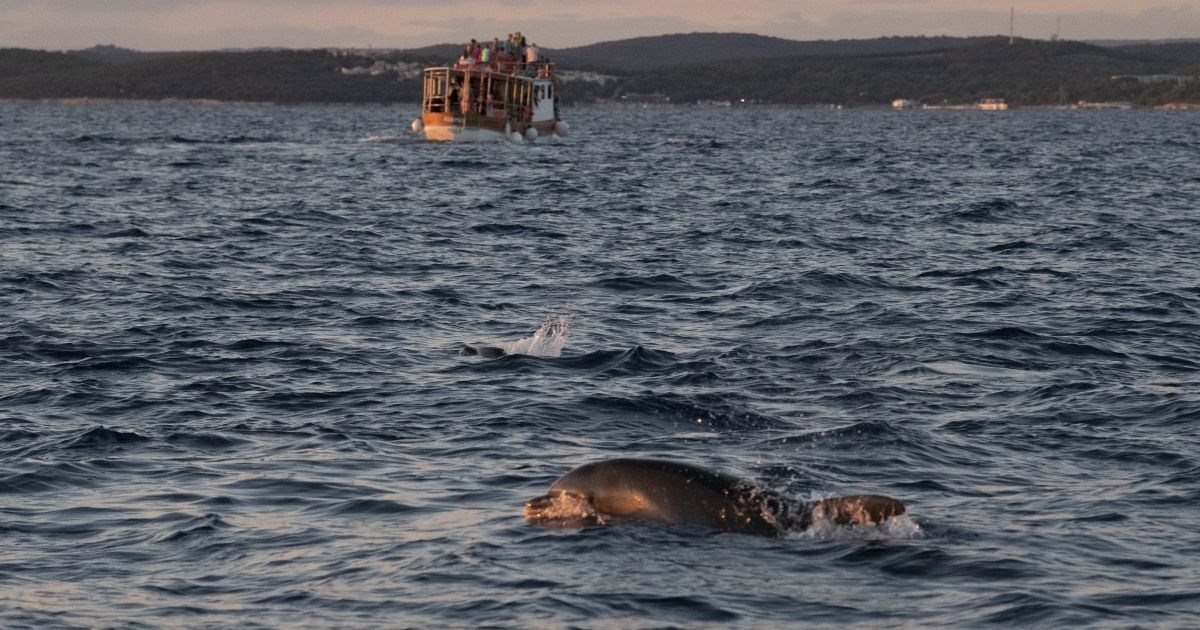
(194,102)
(711,68)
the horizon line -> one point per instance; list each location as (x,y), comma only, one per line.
(1150,40)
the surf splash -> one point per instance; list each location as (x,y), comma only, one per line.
(547,341)
(383,137)
(824,525)
(562,510)
(895,528)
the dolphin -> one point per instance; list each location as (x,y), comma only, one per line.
(487,352)
(671,492)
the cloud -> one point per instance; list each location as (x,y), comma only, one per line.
(1154,23)
(566,30)
(205,24)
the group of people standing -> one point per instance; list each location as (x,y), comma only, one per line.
(513,50)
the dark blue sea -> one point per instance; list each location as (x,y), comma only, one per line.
(231,394)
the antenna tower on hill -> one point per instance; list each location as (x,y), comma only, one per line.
(1012,18)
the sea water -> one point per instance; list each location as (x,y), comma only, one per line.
(231,394)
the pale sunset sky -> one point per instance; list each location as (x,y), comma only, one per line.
(211,24)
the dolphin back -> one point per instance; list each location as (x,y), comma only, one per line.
(487,352)
(671,492)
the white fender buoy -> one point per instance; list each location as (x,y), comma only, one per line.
(531,134)
(562,128)
(516,138)
(508,129)
(417,125)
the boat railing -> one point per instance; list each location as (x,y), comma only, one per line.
(512,66)
(483,90)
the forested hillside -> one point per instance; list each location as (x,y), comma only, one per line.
(275,76)
(644,53)
(683,68)
(1026,73)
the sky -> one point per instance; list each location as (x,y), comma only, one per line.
(217,24)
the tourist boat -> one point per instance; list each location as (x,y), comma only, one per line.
(992,105)
(505,99)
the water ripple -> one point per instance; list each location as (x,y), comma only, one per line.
(231,391)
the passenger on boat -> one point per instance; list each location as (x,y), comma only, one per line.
(531,53)
(494,51)
(518,51)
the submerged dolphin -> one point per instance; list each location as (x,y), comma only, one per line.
(487,352)
(658,490)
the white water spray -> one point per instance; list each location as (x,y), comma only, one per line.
(548,341)
(822,528)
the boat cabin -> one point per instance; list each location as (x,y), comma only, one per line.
(489,99)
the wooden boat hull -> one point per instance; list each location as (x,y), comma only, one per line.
(475,128)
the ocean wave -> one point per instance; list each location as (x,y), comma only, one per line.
(230,340)
(101,437)
(659,282)
(711,411)
(205,441)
